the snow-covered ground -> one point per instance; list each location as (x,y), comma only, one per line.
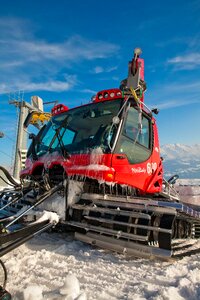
(54,266)
(189,191)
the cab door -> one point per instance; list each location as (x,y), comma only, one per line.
(132,155)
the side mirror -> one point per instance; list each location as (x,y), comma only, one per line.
(32,136)
(155,111)
(32,150)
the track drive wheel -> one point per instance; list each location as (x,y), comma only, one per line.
(164,239)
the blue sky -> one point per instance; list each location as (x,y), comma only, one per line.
(68,50)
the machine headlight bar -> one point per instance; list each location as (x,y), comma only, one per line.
(59,109)
(108,95)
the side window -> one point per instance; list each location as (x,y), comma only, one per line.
(132,129)
(135,140)
(144,139)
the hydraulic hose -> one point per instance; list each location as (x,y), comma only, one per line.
(3,268)
(9,177)
(4,295)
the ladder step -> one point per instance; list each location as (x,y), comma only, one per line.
(118,234)
(139,207)
(114,211)
(153,228)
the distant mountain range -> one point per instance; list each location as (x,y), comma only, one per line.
(183,160)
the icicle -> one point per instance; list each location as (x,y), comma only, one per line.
(117,190)
(119,234)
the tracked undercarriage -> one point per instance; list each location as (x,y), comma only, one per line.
(136,226)
(133,225)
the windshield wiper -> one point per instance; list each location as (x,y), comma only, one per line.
(65,154)
(59,137)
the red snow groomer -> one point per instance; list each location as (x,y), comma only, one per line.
(98,166)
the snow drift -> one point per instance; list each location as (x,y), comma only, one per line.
(53,266)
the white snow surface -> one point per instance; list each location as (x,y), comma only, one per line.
(187,182)
(55,266)
(48,215)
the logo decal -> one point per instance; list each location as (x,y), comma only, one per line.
(138,170)
(151,168)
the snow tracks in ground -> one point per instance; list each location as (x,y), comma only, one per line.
(54,266)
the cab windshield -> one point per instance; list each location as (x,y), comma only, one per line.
(81,129)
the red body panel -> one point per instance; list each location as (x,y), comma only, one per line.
(145,176)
